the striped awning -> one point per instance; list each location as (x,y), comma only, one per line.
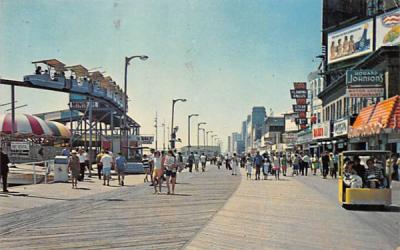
(29,125)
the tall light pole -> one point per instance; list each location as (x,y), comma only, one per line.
(163,125)
(204,138)
(125,129)
(212,139)
(210,131)
(190,116)
(156,127)
(173,135)
(198,133)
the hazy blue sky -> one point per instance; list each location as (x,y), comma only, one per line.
(223,56)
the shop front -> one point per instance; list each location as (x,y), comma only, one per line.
(321,135)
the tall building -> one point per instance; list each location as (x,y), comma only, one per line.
(258,116)
(244,130)
(235,137)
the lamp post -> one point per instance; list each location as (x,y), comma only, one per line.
(198,133)
(212,139)
(125,129)
(190,116)
(204,138)
(163,125)
(210,131)
(173,135)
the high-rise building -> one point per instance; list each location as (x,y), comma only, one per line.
(258,116)
(244,130)
(235,137)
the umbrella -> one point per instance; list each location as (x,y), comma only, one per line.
(29,125)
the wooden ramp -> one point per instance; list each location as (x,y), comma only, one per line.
(128,217)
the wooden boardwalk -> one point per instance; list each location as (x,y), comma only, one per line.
(128,217)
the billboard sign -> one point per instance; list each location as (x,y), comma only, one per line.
(363,78)
(146,140)
(388,29)
(350,42)
(301,121)
(299,108)
(365,92)
(341,128)
(300,85)
(299,93)
(321,130)
(290,122)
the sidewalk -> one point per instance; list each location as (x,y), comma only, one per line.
(287,214)
(30,196)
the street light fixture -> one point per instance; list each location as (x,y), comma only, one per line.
(125,127)
(210,131)
(198,133)
(190,116)
(173,135)
(212,139)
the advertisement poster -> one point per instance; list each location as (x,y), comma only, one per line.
(388,29)
(350,42)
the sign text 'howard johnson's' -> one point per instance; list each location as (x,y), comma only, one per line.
(364,78)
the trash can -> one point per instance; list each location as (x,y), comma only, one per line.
(61,169)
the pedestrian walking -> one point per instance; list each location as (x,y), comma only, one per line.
(158,171)
(219,161)
(120,167)
(235,164)
(107,162)
(314,164)
(170,167)
(4,161)
(249,167)
(266,168)
(284,163)
(296,165)
(180,163)
(151,165)
(258,162)
(99,164)
(228,162)
(88,163)
(306,164)
(276,166)
(146,168)
(74,167)
(196,162)
(82,163)
(325,164)
(190,161)
(332,170)
(203,160)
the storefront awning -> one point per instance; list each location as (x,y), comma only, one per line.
(377,118)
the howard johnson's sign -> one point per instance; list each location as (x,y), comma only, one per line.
(364,78)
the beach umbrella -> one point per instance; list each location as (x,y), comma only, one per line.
(27,125)
(59,129)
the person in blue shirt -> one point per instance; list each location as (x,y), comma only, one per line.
(258,162)
(120,163)
(65,152)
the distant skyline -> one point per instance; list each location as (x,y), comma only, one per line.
(223,56)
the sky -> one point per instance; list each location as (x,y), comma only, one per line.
(223,56)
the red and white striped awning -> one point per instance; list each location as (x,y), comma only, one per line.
(24,125)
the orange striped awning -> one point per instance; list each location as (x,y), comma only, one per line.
(374,118)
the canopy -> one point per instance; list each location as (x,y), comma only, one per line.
(29,125)
(96,75)
(373,119)
(56,64)
(79,70)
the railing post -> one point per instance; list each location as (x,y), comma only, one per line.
(34,173)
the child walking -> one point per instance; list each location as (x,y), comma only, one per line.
(249,167)
(266,167)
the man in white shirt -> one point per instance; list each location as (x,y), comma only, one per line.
(107,162)
(82,163)
(203,160)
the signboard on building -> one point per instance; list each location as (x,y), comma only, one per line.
(147,140)
(321,131)
(341,128)
(300,85)
(290,122)
(301,121)
(365,78)
(298,94)
(299,108)
(388,29)
(301,101)
(365,92)
(20,149)
(350,42)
